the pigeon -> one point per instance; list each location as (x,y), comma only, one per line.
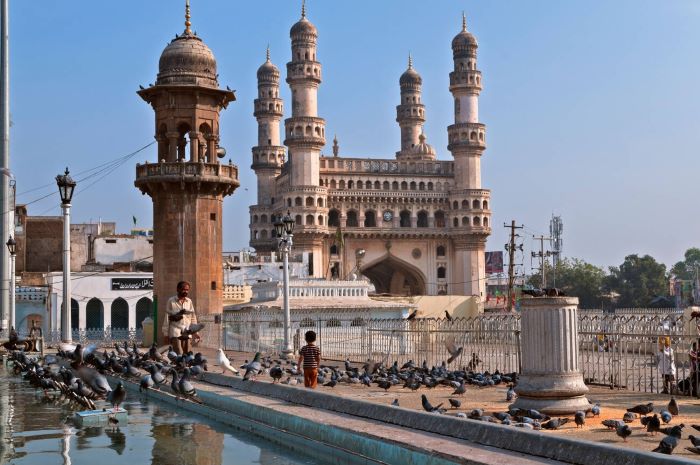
(276,373)
(555,423)
(452,349)
(384,384)
(666,417)
(642,409)
(448,316)
(223,361)
(612,424)
(395,403)
(580,419)
(412,315)
(653,424)
(116,397)
(667,445)
(695,427)
(460,390)
(623,431)
(455,403)
(695,440)
(595,410)
(673,430)
(673,406)
(510,394)
(427,406)
(185,387)
(629,417)
(331,383)
(253,368)
(476,413)
(694,450)
(146,383)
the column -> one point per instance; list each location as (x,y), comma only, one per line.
(551,381)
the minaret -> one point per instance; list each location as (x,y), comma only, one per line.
(305,137)
(268,155)
(410,114)
(467,142)
(186,182)
(305,131)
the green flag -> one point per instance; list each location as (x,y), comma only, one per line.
(339,238)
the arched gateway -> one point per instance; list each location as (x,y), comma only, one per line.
(391,275)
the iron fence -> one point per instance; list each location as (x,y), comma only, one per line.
(102,337)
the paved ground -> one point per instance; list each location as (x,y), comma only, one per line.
(613,405)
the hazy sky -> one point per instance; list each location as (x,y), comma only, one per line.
(591,107)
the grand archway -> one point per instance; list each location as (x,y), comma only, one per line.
(393,276)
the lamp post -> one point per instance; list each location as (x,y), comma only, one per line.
(283,229)
(66,185)
(12,248)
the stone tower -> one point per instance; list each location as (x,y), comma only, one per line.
(467,142)
(268,155)
(187,183)
(410,113)
(305,137)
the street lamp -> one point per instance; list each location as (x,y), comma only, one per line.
(283,229)
(12,248)
(66,185)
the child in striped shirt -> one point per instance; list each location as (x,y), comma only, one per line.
(309,360)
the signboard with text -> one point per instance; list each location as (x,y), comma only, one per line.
(132,284)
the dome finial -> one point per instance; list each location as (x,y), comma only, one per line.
(303,8)
(464,22)
(187,17)
(268,53)
(410,61)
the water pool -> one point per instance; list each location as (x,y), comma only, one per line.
(34,430)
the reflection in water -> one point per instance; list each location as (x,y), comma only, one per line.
(34,431)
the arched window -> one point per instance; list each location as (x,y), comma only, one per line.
(477,221)
(465,204)
(351,221)
(351,184)
(120,314)
(263,219)
(404,185)
(144,309)
(74,313)
(441,272)
(378,186)
(319,202)
(485,222)
(333,323)
(439,219)
(334,249)
(485,205)
(440,250)
(465,221)
(386,186)
(405,219)
(263,234)
(430,186)
(297,201)
(333,184)
(455,205)
(309,220)
(307,323)
(94,314)
(341,184)
(475,204)
(422,219)
(334,218)
(413,185)
(395,185)
(320,220)
(421,186)
(370,219)
(455,221)
(289,202)
(255,218)
(360,185)
(297,220)
(309,201)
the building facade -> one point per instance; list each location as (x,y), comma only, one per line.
(412,224)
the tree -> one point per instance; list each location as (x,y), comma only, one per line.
(576,278)
(638,281)
(686,268)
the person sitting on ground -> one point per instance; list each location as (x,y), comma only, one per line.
(310,359)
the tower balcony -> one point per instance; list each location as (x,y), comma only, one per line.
(466,135)
(268,157)
(307,131)
(207,178)
(303,71)
(413,112)
(268,106)
(468,79)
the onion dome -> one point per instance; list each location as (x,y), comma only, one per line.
(303,27)
(267,70)
(423,149)
(187,60)
(410,76)
(464,40)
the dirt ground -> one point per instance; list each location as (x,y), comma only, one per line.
(613,405)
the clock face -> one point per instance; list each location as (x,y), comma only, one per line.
(388,216)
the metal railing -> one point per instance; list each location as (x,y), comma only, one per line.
(101,337)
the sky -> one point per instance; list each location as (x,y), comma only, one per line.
(591,107)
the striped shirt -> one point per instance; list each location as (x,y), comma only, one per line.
(311,354)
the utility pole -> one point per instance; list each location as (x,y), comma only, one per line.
(511,248)
(6,224)
(542,255)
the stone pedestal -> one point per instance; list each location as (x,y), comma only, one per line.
(550,380)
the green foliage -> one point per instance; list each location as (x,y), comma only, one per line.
(686,268)
(637,281)
(577,278)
